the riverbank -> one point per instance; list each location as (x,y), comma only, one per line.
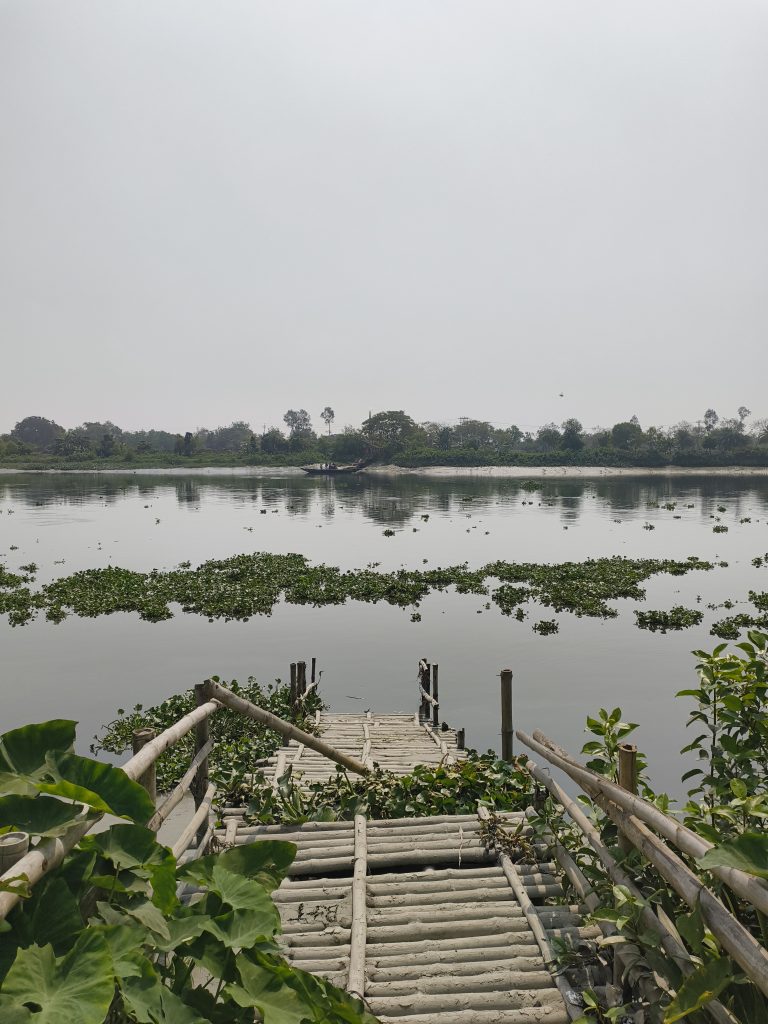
(496,472)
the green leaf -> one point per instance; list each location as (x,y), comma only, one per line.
(266,990)
(705,984)
(266,862)
(240,929)
(38,815)
(691,927)
(102,786)
(133,846)
(738,788)
(23,751)
(78,987)
(747,852)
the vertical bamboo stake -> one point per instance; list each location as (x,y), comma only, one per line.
(200,784)
(301,678)
(148,780)
(435,706)
(293,684)
(627,780)
(312,677)
(460,739)
(507,731)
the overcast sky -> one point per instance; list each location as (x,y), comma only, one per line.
(217,211)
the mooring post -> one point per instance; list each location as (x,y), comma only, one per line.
(627,780)
(507,732)
(148,780)
(424,674)
(312,677)
(200,783)
(301,678)
(435,706)
(293,684)
(460,739)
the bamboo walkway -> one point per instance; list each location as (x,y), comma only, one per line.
(416,915)
(394,742)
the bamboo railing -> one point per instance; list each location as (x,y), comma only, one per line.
(211,696)
(635,819)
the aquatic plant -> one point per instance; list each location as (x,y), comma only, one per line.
(252,584)
(677,617)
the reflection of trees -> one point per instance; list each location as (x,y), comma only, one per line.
(187,492)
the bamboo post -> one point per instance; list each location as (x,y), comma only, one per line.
(507,732)
(435,706)
(148,779)
(424,684)
(293,684)
(216,691)
(202,735)
(312,676)
(628,781)
(301,679)
(357,938)
(460,739)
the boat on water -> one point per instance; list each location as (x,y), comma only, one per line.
(331,469)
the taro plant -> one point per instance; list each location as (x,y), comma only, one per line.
(120,932)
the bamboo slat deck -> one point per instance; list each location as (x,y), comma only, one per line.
(415,915)
(394,742)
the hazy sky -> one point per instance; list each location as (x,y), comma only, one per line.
(218,210)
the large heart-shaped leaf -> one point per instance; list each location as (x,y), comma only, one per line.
(23,751)
(133,847)
(78,987)
(241,929)
(38,815)
(267,990)
(103,787)
(705,984)
(266,862)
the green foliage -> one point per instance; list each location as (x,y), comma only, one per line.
(252,584)
(239,743)
(106,936)
(429,790)
(677,617)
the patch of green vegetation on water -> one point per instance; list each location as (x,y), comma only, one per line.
(676,618)
(252,584)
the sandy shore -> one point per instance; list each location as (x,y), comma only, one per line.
(511,472)
(560,472)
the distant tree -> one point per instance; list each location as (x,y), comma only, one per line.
(626,434)
(389,430)
(37,431)
(572,440)
(226,439)
(349,445)
(328,416)
(759,431)
(684,436)
(298,421)
(106,446)
(548,437)
(273,442)
(711,419)
(743,413)
(95,431)
(473,433)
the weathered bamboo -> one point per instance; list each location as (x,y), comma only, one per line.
(746,886)
(198,818)
(628,781)
(202,734)
(301,678)
(148,779)
(506,715)
(176,795)
(356,972)
(291,732)
(314,666)
(671,944)
(733,936)
(435,694)
(533,919)
(460,739)
(293,689)
(49,853)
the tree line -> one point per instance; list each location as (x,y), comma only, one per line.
(393,435)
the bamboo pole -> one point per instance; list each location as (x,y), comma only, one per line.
(176,795)
(301,679)
(670,942)
(357,938)
(202,735)
(747,886)
(148,779)
(314,666)
(534,921)
(436,705)
(506,714)
(200,817)
(733,936)
(628,781)
(294,693)
(291,732)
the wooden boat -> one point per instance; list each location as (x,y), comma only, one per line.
(331,469)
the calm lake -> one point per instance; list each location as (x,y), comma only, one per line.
(86,668)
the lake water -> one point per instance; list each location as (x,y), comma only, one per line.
(86,668)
